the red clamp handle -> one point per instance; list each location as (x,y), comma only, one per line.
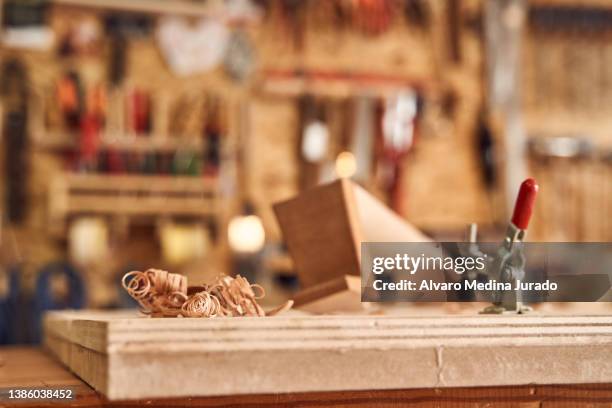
(525,203)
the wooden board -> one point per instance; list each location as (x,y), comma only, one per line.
(22,367)
(128,357)
(324,227)
(319,229)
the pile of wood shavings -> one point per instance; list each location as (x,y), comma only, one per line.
(163,294)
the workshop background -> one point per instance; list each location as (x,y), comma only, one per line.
(140,134)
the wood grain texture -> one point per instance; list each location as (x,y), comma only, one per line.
(130,358)
(320,233)
(22,367)
(324,228)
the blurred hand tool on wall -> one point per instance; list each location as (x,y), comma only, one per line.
(15,100)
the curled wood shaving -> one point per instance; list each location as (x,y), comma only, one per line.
(163,294)
(237,296)
(165,305)
(280,309)
(158,292)
(202,304)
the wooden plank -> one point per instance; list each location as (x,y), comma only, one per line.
(28,366)
(148,358)
(102,182)
(142,205)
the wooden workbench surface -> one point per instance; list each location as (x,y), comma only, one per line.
(30,367)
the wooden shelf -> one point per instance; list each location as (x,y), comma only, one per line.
(594,126)
(134,143)
(337,84)
(571,3)
(161,7)
(132,196)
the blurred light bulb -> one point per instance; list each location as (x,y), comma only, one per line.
(183,243)
(246,234)
(315,141)
(88,240)
(346,165)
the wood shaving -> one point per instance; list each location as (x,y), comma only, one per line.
(202,304)
(159,293)
(237,297)
(163,294)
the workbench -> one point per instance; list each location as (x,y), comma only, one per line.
(32,367)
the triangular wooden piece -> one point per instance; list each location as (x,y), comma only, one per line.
(325,226)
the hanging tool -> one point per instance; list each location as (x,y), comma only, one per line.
(373,17)
(91,124)
(119,28)
(363,128)
(213,132)
(89,143)
(454,18)
(487,154)
(138,111)
(14,93)
(293,21)
(398,123)
(239,61)
(71,99)
(488,161)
